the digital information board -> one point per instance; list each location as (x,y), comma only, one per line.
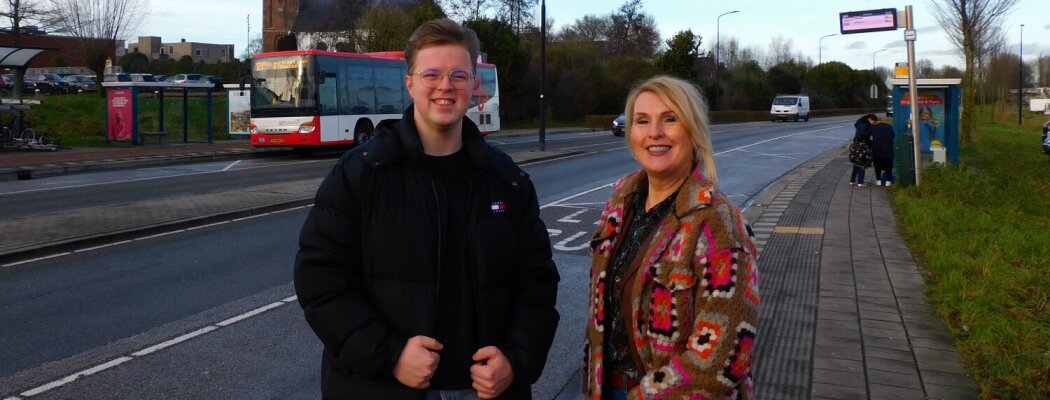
(868,21)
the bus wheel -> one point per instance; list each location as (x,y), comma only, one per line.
(363,132)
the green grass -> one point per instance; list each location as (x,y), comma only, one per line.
(982,231)
(79,120)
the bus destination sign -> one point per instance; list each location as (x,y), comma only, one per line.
(868,21)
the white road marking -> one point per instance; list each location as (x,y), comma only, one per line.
(101,246)
(231,165)
(577,195)
(35,259)
(569,218)
(251,313)
(90,371)
(563,245)
(171,342)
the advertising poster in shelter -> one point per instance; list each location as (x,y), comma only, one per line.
(119,115)
(240,112)
(931,113)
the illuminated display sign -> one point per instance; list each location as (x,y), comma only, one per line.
(293,63)
(868,21)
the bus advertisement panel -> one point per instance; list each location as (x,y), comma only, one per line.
(318,98)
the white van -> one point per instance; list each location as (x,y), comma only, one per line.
(794,106)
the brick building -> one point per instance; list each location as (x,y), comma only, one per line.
(283,19)
(68,51)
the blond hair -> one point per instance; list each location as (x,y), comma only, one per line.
(440,32)
(688,104)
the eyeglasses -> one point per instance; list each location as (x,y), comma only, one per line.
(460,79)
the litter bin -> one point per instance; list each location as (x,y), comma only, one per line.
(904,159)
(940,153)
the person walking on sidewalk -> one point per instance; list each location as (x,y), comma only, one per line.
(860,149)
(674,285)
(424,267)
(882,151)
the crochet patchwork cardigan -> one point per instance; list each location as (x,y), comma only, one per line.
(692,325)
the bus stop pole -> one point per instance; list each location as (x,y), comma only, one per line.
(913,91)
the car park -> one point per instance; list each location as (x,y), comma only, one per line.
(619,124)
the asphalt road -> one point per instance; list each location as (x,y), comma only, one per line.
(210,312)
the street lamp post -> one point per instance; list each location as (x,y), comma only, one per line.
(873,59)
(1020,73)
(718,29)
(820,48)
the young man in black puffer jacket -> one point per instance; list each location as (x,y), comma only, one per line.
(424,267)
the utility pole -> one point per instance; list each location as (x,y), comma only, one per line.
(543,74)
(1020,74)
(820,48)
(718,31)
(913,90)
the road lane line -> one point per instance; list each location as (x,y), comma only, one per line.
(249,314)
(776,138)
(171,342)
(36,259)
(90,371)
(231,165)
(101,246)
(160,234)
(554,203)
(290,299)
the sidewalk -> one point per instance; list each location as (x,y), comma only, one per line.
(844,314)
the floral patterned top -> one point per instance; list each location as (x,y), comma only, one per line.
(694,300)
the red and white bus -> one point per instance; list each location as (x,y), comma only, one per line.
(311,98)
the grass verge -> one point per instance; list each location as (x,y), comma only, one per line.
(982,230)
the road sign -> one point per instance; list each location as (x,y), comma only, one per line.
(868,21)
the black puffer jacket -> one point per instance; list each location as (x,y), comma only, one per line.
(367,269)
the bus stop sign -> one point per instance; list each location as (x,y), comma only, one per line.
(868,21)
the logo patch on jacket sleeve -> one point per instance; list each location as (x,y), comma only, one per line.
(498,207)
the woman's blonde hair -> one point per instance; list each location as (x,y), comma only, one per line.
(688,104)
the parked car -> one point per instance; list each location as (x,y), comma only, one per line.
(189,78)
(49,83)
(1046,137)
(216,80)
(162,78)
(28,87)
(618,125)
(118,77)
(81,82)
(142,78)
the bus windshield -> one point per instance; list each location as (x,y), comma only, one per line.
(283,86)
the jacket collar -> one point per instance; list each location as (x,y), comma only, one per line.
(695,193)
(396,141)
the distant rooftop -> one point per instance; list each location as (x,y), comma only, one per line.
(329,15)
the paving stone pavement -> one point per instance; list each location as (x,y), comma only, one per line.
(844,315)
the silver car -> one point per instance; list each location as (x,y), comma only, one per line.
(618,125)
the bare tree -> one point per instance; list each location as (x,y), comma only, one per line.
(970,25)
(588,28)
(466,10)
(517,12)
(1043,68)
(98,24)
(781,50)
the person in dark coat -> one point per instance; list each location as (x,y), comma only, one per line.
(882,152)
(860,149)
(424,267)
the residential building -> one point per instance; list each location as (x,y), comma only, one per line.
(154,48)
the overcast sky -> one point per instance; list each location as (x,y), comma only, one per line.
(757,23)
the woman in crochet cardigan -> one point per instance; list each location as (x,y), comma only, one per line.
(674,285)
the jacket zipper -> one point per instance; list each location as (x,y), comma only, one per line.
(469,261)
(437,289)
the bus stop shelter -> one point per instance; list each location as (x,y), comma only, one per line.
(122,110)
